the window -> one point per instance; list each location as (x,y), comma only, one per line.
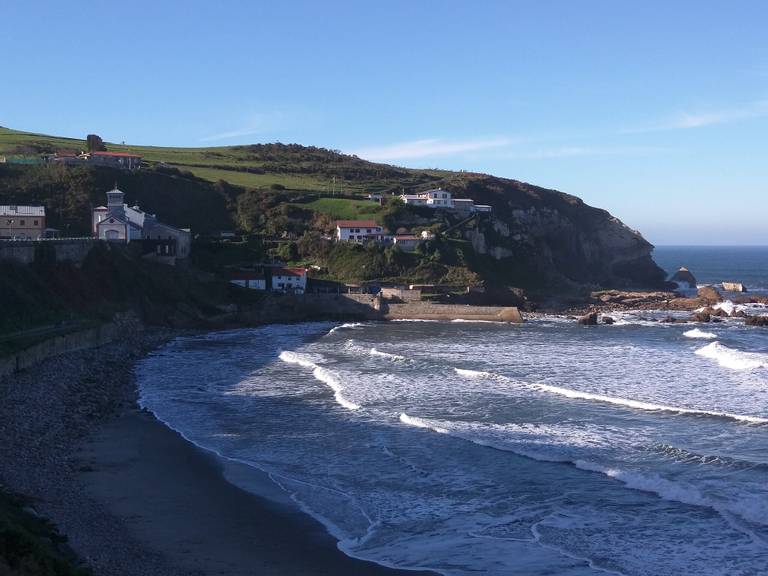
(36,222)
(368,230)
(22,222)
(357,230)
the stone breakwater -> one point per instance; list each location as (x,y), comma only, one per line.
(47,413)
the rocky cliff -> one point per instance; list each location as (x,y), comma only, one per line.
(545,237)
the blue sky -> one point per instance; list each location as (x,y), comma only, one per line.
(654,110)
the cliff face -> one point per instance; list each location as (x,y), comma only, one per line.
(545,236)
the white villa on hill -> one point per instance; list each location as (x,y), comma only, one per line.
(439,198)
(358,230)
(117,222)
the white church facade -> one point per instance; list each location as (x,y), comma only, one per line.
(118,222)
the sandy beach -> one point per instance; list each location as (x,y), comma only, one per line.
(132,496)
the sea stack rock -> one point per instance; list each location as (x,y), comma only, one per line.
(710,295)
(588,319)
(734,287)
(684,276)
(703,316)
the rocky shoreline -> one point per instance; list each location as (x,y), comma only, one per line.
(46,414)
(132,497)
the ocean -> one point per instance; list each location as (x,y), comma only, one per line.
(638,448)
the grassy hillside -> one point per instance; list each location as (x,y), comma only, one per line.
(254,166)
(282,192)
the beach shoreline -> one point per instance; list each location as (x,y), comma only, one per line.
(132,495)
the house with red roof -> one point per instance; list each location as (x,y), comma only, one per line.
(123,160)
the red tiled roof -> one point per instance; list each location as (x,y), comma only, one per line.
(289,272)
(357,224)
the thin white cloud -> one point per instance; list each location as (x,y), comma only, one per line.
(583,151)
(256,124)
(429,148)
(689,120)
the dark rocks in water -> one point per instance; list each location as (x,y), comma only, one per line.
(608,320)
(588,319)
(684,276)
(756,320)
(703,316)
(739,314)
(715,319)
(710,294)
(672,320)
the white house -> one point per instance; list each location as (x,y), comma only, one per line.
(437,198)
(358,230)
(117,222)
(289,280)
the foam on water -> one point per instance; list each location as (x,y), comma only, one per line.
(640,405)
(379,353)
(324,375)
(733,359)
(420,423)
(472,373)
(344,326)
(696,333)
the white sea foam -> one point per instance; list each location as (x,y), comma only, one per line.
(727,306)
(460,320)
(375,352)
(323,374)
(640,405)
(345,325)
(733,359)
(420,423)
(696,333)
(749,508)
(472,373)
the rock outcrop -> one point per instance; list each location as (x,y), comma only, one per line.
(756,320)
(589,319)
(710,294)
(684,277)
(546,237)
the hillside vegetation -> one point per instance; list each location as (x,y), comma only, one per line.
(290,195)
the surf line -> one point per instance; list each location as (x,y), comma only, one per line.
(626,402)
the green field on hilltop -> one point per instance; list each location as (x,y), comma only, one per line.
(345,209)
(259,166)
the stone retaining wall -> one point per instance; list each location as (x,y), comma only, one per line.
(82,340)
(29,251)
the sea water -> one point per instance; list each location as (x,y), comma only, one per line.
(639,448)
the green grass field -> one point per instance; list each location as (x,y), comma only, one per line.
(345,209)
(294,167)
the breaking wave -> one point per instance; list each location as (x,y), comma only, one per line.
(733,359)
(696,333)
(331,379)
(375,352)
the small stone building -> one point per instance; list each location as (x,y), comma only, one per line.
(22,222)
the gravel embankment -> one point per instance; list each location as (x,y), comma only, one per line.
(47,413)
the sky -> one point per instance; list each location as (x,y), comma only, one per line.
(656,111)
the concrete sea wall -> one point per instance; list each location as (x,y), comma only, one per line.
(64,344)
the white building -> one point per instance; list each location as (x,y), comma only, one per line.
(437,198)
(117,222)
(289,280)
(358,230)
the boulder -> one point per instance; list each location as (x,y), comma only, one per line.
(588,319)
(718,312)
(703,316)
(756,320)
(739,314)
(608,320)
(709,294)
(672,320)
(734,287)
(683,276)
